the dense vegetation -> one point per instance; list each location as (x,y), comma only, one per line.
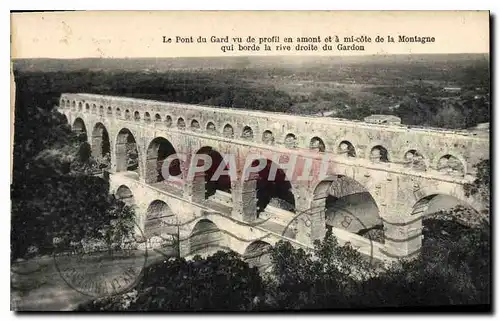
(56,200)
(481,185)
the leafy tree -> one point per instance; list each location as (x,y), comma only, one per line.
(481,184)
(453,269)
(328,277)
(414,111)
(449,116)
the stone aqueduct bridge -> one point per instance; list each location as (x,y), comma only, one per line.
(383,177)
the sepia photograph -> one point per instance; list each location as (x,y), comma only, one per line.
(250,161)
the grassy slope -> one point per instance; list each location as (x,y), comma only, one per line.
(36,284)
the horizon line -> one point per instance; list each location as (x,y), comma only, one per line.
(261,56)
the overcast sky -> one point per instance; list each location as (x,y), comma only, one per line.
(110,34)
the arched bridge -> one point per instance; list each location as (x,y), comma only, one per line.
(370,183)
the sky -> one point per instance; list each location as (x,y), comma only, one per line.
(121,34)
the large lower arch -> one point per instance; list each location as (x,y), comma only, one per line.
(270,188)
(349,206)
(101,147)
(158,151)
(441,218)
(80,129)
(160,222)
(207,185)
(258,254)
(206,238)
(127,153)
(442,205)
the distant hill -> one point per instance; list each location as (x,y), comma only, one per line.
(196,63)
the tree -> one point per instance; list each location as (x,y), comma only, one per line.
(481,184)
(330,276)
(449,116)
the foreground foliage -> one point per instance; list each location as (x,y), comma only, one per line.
(452,270)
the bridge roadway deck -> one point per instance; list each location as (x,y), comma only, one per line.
(240,234)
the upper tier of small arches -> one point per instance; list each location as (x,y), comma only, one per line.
(152,106)
(260,133)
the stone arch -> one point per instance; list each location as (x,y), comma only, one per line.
(168,121)
(414,159)
(205,186)
(346,148)
(127,114)
(101,146)
(62,103)
(94,109)
(124,194)
(451,164)
(147,117)
(137,116)
(290,141)
(379,154)
(181,124)
(159,222)
(247,133)
(80,129)
(346,204)
(195,124)
(157,118)
(206,238)
(118,112)
(87,107)
(268,137)
(258,254)
(73,105)
(228,131)
(101,110)
(452,209)
(158,150)
(267,193)
(127,153)
(211,128)
(317,144)
(109,111)
(440,202)
(80,106)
